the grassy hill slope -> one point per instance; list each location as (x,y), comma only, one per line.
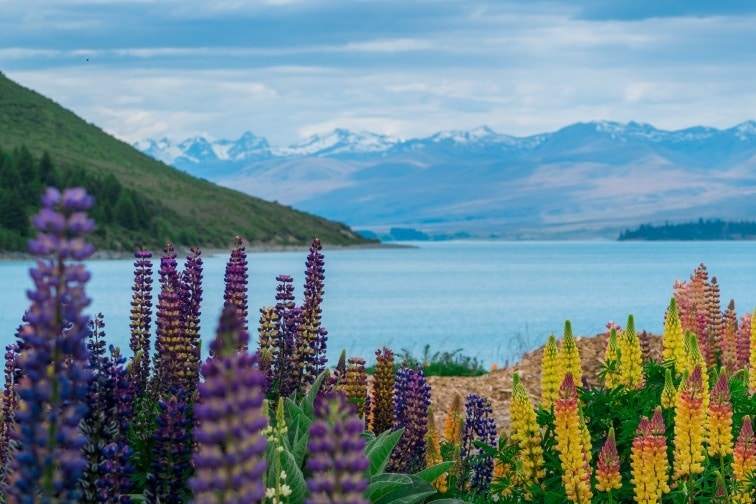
(214,213)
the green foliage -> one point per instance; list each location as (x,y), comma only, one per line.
(191,211)
(439,363)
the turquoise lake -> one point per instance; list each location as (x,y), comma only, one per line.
(492,299)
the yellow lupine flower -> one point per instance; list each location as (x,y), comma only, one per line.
(569,356)
(719,419)
(752,360)
(433,452)
(744,464)
(690,416)
(648,460)
(669,393)
(526,433)
(673,344)
(611,361)
(631,362)
(573,457)
(551,373)
(608,476)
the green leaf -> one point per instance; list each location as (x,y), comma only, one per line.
(410,493)
(448,501)
(308,401)
(379,451)
(381,484)
(294,477)
(432,473)
(299,448)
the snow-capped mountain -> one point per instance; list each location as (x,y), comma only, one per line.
(586,179)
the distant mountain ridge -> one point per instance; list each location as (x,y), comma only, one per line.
(585,180)
(171,205)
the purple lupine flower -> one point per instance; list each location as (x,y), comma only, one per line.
(190,299)
(52,390)
(337,460)
(106,472)
(312,338)
(268,343)
(169,348)
(230,455)
(286,372)
(171,467)
(236,280)
(10,404)
(141,318)
(479,426)
(411,403)
(381,404)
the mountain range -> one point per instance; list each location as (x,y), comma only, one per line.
(162,203)
(585,180)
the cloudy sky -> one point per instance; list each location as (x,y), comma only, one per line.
(285,69)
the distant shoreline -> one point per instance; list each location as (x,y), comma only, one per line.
(100,255)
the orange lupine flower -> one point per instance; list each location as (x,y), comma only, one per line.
(648,460)
(573,454)
(453,426)
(526,433)
(433,452)
(551,373)
(719,419)
(744,463)
(752,377)
(608,467)
(690,416)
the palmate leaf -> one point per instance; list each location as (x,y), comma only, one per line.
(448,501)
(379,450)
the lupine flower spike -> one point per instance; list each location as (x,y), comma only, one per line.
(690,416)
(573,453)
(236,280)
(631,363)
(411,403)
(669,392)
(526,433)
(54,360)
(479,426)
(672,339)
(230,454)
(608,468)
(337,459)
(744,464)
(382,398)
(551,373)
(752,358)
(730,338)
(453,426)
(569,355)
(612,361)
(649,465)
(433,452)
(141,318)
(719,419)
(744,340)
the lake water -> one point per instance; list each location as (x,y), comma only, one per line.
(492,299)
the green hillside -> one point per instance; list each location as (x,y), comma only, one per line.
(174,205)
